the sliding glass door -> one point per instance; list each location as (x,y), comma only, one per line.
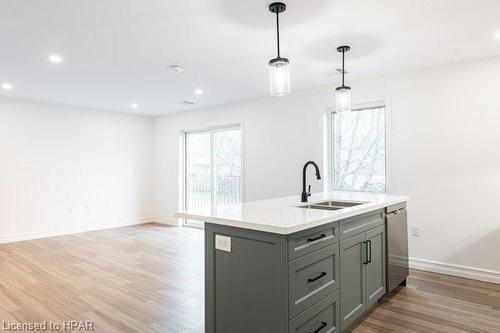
(198,171)
(212,170)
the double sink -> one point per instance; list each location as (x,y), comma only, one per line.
(331,205)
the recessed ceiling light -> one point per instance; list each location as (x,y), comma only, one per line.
(497,35)
(176,68)
(55,58)
(6,86)
(198,91)
(134,106)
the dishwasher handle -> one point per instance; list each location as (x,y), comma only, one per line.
(395,209)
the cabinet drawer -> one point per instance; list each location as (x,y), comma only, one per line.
(310,240)
(312,277)
(354,225)
(320,318)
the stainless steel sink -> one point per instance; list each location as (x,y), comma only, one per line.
(321,207)
(331,205)
(339,203)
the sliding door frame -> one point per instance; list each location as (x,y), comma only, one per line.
(183,166)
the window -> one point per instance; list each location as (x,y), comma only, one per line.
(358,150)
(212,169)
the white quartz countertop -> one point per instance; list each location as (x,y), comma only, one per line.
(282,216)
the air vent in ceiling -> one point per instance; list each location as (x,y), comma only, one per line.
(176,68)
(186,103)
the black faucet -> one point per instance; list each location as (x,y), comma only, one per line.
(318,176)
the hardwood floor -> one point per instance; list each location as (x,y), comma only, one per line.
(149,278)
(146,278)
(437,303)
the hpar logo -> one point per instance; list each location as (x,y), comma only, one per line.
(78,325)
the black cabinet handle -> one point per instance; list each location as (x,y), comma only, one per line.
(366,253)
(323,325)
(369,243)
(316,238)
(317,277)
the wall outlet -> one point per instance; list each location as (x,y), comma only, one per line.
(223,243)
(415,230)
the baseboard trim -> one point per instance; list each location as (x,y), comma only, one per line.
(456,270)
(166,220)
(67,231)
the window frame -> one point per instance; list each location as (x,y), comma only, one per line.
(329,146)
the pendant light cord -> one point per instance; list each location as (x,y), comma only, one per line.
(278,32)
(343,68)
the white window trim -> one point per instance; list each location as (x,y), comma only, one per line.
(182,194)
(328,151)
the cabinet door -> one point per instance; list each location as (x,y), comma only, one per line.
(352,279)
(375,269)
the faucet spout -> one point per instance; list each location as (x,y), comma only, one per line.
(305,194)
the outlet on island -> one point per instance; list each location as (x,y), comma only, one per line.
(223,243)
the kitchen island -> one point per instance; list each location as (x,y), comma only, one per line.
(280,265)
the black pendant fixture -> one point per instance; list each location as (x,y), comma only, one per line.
(343,93)
(279,71)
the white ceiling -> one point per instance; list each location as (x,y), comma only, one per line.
(116,52)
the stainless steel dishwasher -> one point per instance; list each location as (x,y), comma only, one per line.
(397,246)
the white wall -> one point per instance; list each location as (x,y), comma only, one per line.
(65,169)
(443,152)
(445,155)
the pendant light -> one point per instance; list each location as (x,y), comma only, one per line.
(343,93)
(279,71)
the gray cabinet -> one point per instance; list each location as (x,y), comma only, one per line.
(246,290)
(310,240)
(321,317)
(362,273)
(375,269)
(360,223)
(318,280)
(352,279)
(312,277)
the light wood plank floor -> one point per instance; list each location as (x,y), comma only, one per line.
(149,278)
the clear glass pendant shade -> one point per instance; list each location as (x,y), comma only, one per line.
(343,99)
(279,77)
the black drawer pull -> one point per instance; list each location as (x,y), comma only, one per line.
(317,277)
(323,325)
(316,238)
